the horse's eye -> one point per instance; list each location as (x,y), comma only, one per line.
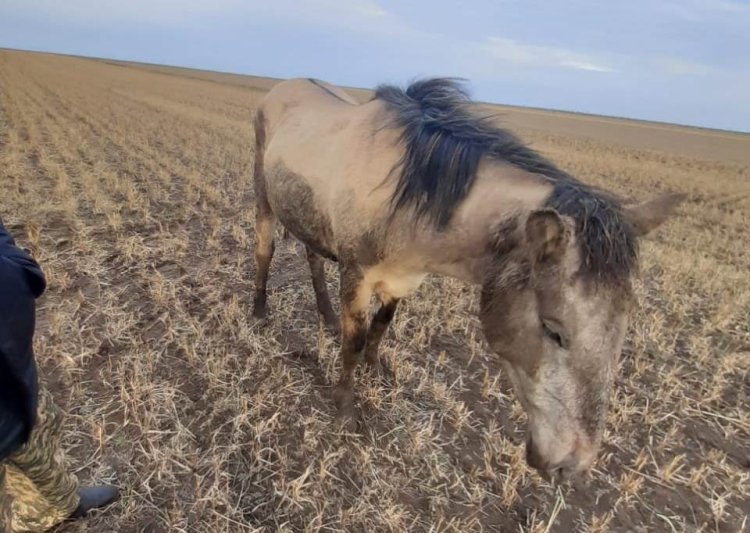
(554,335)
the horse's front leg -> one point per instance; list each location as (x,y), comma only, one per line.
(355,301)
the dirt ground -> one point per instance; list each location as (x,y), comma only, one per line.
(132,186)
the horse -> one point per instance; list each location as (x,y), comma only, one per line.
(416,182)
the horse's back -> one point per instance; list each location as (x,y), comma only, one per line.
(300,94)
(324,162)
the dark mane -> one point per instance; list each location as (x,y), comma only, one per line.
(319,85)
(444,142)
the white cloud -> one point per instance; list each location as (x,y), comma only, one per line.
(144,11)
(703,11)
(367,9)
(531,55)
(680,67)
(584,65)
(352,14)
(726,6)
(366,16)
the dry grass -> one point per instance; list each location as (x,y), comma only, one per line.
(131,185)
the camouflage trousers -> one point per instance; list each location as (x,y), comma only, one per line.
(36,490)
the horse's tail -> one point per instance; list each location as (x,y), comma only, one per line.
(261,195)
(259,124)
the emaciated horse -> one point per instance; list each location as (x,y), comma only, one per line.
(415,182)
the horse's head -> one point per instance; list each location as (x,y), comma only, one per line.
(559,331)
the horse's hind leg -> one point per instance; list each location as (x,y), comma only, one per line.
(378,327)
(265,226)
(265,221)
(317,270)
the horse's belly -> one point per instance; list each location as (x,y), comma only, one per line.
(294,204)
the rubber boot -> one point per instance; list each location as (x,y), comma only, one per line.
(93,498)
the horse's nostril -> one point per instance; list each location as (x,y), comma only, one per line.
(533,458)
(564,473)
(564,470)
(557,472)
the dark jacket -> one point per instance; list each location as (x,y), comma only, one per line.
(21,281)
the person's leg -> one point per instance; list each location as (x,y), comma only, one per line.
(6,512)
(43,491)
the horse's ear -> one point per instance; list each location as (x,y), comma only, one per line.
(649,215)
(547,236)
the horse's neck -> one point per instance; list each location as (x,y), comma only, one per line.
(500,194)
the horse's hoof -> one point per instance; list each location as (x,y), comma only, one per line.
(260,312)
(344,399)
(380,369)
(333,329)
(345,421)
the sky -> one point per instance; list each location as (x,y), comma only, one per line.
(681,61)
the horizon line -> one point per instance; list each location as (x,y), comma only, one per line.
(480,102)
